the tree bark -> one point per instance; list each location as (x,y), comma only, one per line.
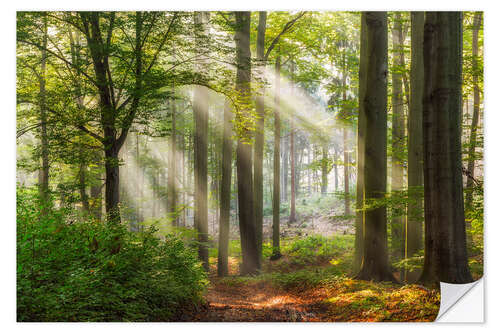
(445,244)
(347,200)
(200,109)
(259,134)
(398,137)
(324,169)
(172,167)
(225,192)
(347,203)
(358,238)
(475,112)
(82,186)
(335,170)
(415,144)
(43,176)
(251,262)
(285,161)
(292,218)
(276,163)
(375,263)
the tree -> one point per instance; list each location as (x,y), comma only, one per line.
(475,112)
(445,245)
(398,136)
(415,145)
(251,262)
(43,176)
(276,162)
(262,58)
(225,192)
(117,83)
(361,141)
(259,134)
(347,203)
(375,263)
(292,217)
(200,111)
(172,165)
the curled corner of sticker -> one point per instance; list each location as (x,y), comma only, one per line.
(462,302)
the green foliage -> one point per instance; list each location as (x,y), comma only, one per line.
(66,271)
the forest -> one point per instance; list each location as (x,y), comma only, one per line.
(246,166)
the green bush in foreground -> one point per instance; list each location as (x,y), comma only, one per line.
(66,272)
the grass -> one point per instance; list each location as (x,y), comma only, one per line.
(319,268)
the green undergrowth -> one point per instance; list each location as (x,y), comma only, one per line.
(70,270)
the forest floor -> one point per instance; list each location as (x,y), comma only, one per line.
(312,282)
(314,294)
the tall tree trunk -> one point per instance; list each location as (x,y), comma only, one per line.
(361,141)
(445,245)
(347,203)
(172,167)
(398,137)
(184,172)
(324,169)
(415,144)
(200,109)
(225,192)
(309,180)
(335,169)
(276,163)
(112,172)
(96,199)
(285,160)
(259,134)
(347,200)
(140,180)
(43,176)
(292,217)
(475,112)
(82,187)
(375,263)
(251,262)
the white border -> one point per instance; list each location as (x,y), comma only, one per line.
(7,167)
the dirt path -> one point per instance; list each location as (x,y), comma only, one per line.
(256,302)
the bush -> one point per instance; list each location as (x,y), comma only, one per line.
(66,271)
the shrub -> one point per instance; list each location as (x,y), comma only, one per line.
(66,271)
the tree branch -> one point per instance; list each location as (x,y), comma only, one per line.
(287,27)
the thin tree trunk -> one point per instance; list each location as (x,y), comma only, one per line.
(361,141)
(347,200)
(276,163)
(43,176)
(96,199)
(375,263)
(225,192)
(415,144)
(324,169)
(445,244)
(335,169)
(309,182)
(347,203)
(82,186)
(200,109)
(172,167)
(285,161)
(259,134)
(475,112)
(251,262)
(292,217)
(398,137)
